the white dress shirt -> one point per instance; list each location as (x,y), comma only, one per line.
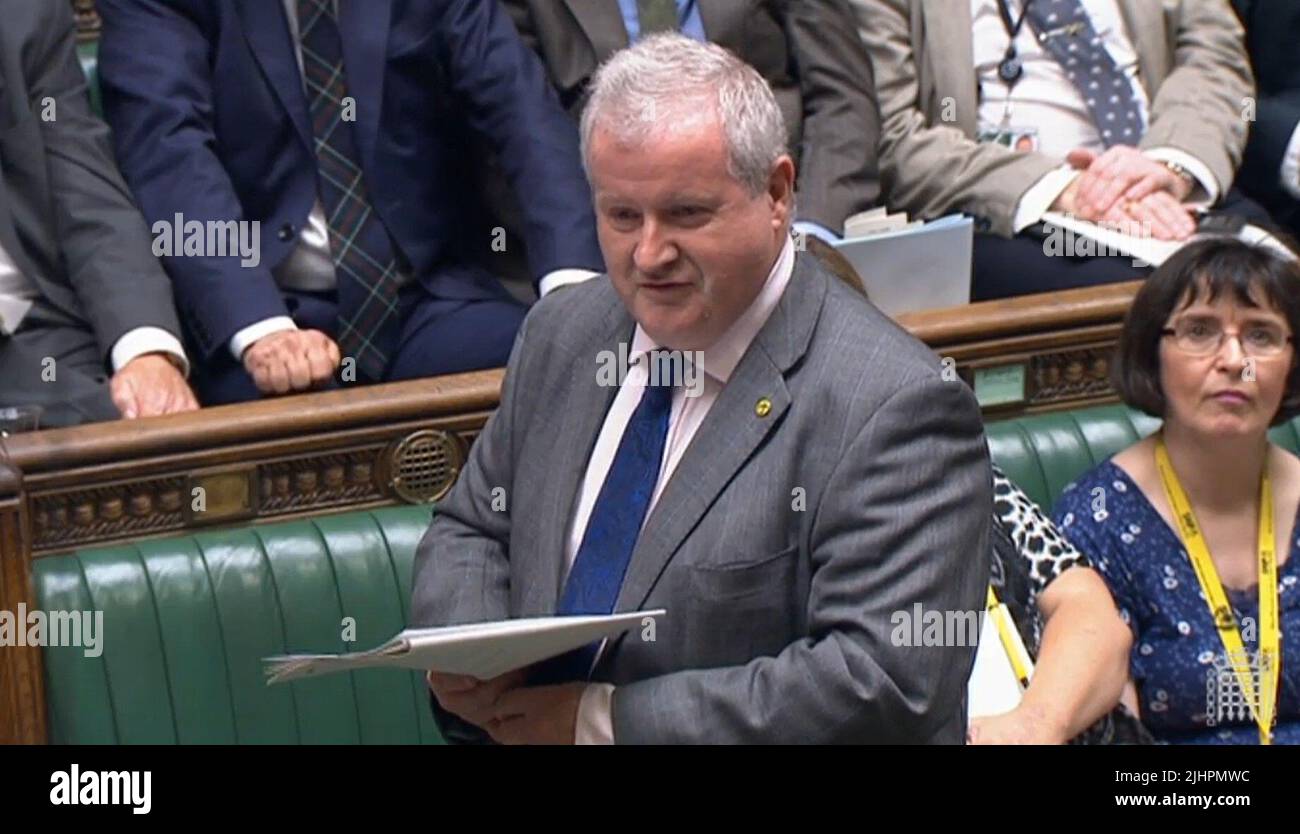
(17,293)
(1045,99)
(1291,165)
(311,264)
(595,723)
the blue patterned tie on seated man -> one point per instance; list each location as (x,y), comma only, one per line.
(336,136)
(87,327)
(1128,113)
(1194,528)
(809,472)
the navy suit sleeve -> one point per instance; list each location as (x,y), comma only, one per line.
(510,102)
(1275,123)
(155,69)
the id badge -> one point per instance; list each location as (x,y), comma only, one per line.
(1009,136)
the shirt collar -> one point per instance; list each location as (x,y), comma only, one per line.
(721,359)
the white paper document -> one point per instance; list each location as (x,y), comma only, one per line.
(483,650)
(1072,236)
(993,687)
(918,266)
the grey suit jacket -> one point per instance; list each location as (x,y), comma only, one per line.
(806,49)
(1192,64)
(782,545)
(66,217)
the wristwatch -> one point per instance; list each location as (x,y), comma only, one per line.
(1180,172)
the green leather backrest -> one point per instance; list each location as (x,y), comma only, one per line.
(88,52)
(1044,452)
(187,621)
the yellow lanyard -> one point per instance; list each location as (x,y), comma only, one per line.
(1264,705)
(1011,642)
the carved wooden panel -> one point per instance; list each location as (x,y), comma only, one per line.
(130,509)
(321,481)
(66,519)
(1071,375)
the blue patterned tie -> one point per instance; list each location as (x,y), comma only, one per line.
(368,276)
(615,523)
(1066,33)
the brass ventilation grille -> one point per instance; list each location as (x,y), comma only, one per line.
(423,465)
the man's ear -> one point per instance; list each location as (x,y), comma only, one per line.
(780,187)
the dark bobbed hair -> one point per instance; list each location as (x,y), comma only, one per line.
(1205,269)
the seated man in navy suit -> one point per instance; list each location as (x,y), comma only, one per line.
(342,128)
(1270,173)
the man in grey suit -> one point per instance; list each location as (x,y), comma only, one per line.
(87,327)
(811,476)
(807,51)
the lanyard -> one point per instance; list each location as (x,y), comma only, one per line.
(1021,663)
(1010,68)
(1263,704)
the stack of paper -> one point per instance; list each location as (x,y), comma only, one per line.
(910,266)
(481,650)
(1068,235)
(874,221)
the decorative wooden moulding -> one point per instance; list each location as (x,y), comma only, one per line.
(293,457)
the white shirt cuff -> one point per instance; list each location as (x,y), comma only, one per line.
(1209,191)
(595,718)
(245,338)
(142,340)
(561,277)
(1291,166)
(1038,200)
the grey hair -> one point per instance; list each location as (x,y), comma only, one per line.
(668,82)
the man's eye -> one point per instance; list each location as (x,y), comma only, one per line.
(622,215)
(687,212)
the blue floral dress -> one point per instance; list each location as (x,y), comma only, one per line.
(1178,662)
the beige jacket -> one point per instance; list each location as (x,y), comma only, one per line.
(1191,59)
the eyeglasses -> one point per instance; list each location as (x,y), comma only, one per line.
(1205,336)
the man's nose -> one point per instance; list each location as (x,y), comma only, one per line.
(654,250)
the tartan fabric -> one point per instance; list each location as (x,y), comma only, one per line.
(364,259)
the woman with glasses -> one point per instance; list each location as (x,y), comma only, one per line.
(1194,528)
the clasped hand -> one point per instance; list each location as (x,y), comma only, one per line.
(1123,186)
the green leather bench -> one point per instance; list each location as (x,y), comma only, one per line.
(188,619)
